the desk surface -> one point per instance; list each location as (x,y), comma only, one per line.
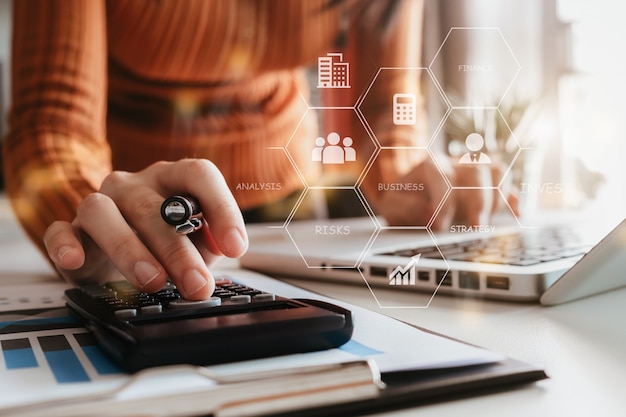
(581,345)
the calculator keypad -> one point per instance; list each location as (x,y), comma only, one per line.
(139,330)
(125,302)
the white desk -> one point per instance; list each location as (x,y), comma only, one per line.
(581,345)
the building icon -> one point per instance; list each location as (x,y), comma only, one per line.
(404,275)
(332,72)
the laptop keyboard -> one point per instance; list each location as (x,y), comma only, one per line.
(527,247)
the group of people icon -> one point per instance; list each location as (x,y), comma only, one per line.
(329,151)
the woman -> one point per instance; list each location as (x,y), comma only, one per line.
(118,104)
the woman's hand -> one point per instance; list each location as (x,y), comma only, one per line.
(474,200)
(118,231)
(417,207)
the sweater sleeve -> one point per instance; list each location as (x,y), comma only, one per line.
(56,150)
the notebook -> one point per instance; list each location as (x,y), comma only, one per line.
(547,264)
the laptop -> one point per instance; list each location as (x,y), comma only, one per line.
(546,264)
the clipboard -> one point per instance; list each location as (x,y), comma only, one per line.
(343,389)
(247,395)
(346,388)
(412,389)
(406,389)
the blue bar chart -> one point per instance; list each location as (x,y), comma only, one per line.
(18,353)
(53,341)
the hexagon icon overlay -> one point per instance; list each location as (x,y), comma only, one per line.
(475,137)
(338,79)
(416,271)
(319,239)
(338,156)
(487,72)
(393,108)
(535,189)
(271,180)
(412,166)
(483,224)
(388,126)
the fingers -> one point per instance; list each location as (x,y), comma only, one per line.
(204,241)
(417,206)
(508,190)
(63,246)
(75,255)
(121,225)
(473,206)
(100,218)
(400,208)
(475,193)
(513,202)
(150,250)
(439,189)
(202,179)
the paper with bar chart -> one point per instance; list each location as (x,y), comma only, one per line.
(46,354)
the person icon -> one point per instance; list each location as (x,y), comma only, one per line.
(333,153)
(475,142)
(349,151)
(316,154)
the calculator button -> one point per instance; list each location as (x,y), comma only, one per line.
(126,313)
(152,309)
(251,292)
(99,292)
(265,296)
(168,286)
(209,302)
(167,297)
(221,280)
(224,293)
(240,299)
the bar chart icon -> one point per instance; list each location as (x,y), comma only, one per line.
(404,275)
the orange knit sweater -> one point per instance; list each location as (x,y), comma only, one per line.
(119,84)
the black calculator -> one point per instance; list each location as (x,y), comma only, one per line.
(140,330)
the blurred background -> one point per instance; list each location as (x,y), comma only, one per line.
(566,106)
(563,96)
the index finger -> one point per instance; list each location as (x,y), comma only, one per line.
(475,196)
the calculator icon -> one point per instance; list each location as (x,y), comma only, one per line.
(404,109)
